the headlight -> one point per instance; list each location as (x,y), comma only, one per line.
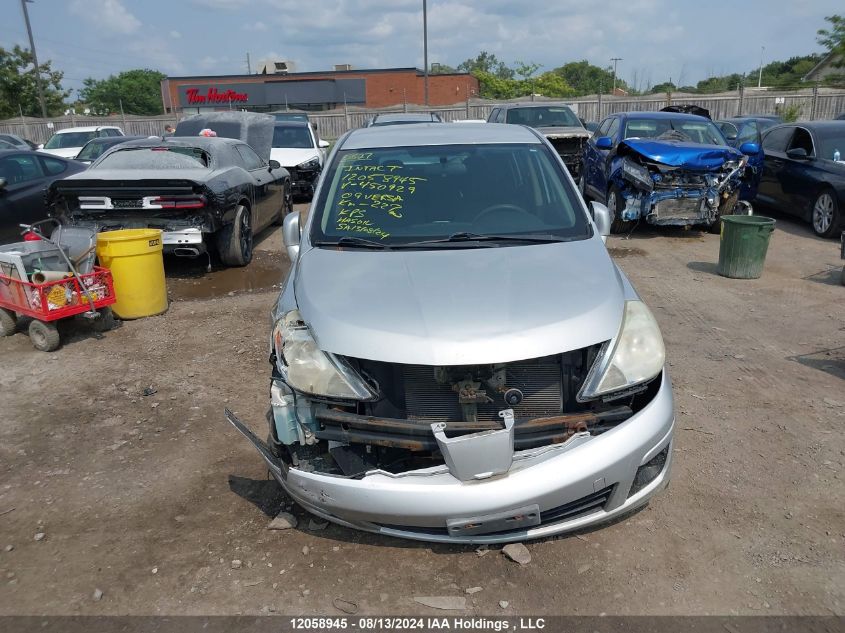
(314,163)
(637,356)
(307,369)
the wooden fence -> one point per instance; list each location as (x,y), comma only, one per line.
(811,104)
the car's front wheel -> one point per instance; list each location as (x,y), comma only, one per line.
(287,203)
(616,204)
(234,241)
(825,217)
(582,184)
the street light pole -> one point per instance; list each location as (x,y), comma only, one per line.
(760,75)
(34,59)
(615,60)
(425,50)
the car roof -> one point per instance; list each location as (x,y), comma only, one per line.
(662,115)
(302,124)
(404,116)
(819,126)
(437,134)
(89,128)
(203,142)
(102,140)
(534,104)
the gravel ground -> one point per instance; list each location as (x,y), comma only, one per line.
(150,499)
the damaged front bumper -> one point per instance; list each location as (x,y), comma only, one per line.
(546,490)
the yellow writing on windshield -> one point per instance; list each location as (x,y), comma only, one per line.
(371,194)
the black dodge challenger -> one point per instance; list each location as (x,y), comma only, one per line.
(202,192)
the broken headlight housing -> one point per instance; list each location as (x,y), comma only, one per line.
(309,165)
(636,357)
(308,369)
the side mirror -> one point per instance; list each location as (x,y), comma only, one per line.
(323,144)
(797,153)
(601,216)
(750,149)
(274,164)
(604,142)
(291,234)
(40,146)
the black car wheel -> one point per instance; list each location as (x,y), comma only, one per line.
(582,185)
(825,215)
(287,203)
(616,204)
(234,242)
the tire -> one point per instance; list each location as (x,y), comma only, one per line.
(105,321)
(234,241)
(615,204)
(824,215)
(8,322)
(582,185)
(44,336)
(287,204)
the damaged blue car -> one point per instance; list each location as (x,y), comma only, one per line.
(665,168)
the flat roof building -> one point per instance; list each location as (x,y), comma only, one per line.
(374,88)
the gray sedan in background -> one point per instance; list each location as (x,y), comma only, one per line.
(455,355)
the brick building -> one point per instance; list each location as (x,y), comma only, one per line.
(327,90)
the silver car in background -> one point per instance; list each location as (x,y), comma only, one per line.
(455,355)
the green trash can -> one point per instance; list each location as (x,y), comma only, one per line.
(743,243)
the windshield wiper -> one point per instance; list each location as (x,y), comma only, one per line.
(465,236)
(353,241)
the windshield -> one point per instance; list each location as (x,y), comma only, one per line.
(400,195)
(695,130)
(155,158)
(547,116)
(830,142)
(93,150)
(290,136)
(69,139)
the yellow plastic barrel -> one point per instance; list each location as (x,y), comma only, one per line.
(136,262)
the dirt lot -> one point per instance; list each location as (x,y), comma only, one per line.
(150,498)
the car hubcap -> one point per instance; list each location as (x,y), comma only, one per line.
(823,213)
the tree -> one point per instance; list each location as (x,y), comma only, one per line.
(441,69)
(723,83)
(139,91)
(494,87)
(666,86)
(486,63)
(18,90)
(833,39)
(550,84)
(585,78)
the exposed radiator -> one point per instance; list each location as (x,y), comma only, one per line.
(538,379)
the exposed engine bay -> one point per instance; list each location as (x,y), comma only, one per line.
(394,432)
(570,147)
(681,188)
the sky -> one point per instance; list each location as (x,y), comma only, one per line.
(684,40)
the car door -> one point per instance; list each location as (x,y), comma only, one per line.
(800,177)
(749,132)
(267,196)
(770,190)
(591,160)
(22,198)
(604,156)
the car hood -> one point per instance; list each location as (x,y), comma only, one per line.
(63,152)
(679,154)
(460,306)
(291,157)
(564,132)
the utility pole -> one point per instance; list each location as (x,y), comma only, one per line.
(34,59)
(615,60)
(248,65)
(760,75)
(425,50)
